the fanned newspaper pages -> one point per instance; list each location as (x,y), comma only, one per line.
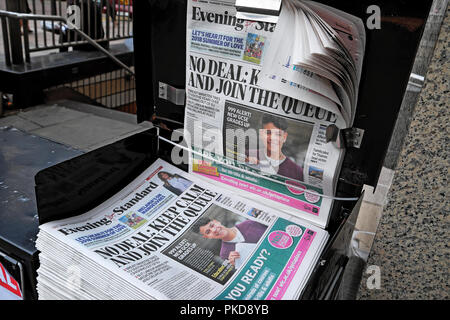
(260,96)
(325,55)
(170,235)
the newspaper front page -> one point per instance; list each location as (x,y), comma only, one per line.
(171,235)
(247,138)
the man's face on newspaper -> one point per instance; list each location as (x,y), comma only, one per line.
(273,139)
(214,230)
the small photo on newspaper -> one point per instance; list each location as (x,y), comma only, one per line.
(174,182)
(279,145)
(254,48)
(217,243)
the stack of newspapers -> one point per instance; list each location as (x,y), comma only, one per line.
(261,95)
(248,221)
(169,235)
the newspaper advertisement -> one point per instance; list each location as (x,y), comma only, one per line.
(258,141)
(169,230)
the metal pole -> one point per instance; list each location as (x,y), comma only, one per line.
(53,7)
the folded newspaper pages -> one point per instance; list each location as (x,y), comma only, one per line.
(170,235)
(260,96)
(320,49)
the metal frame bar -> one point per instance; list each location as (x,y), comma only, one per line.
(26,17)
(6,41)
(111,21)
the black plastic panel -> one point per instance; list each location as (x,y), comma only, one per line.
(78,185)
(160,55)
(334,255)
(22,155)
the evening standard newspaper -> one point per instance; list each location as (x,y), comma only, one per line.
(247,138)
(170,235)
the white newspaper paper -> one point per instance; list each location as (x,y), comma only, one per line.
(169,235)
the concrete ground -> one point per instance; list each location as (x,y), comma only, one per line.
(411,247)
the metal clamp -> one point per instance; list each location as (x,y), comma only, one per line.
(171,94)
(416,82)
(345,138)
(258,10)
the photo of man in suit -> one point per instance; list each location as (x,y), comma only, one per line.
(240,235)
